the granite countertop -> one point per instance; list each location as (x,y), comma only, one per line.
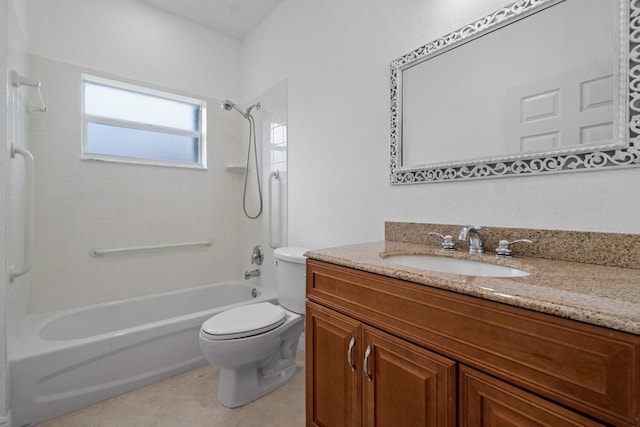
(596,294)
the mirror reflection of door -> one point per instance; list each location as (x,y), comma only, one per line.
(568,110)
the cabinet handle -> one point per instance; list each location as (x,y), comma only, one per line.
(350,353)
(367,353)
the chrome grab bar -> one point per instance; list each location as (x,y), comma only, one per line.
(274,175)
(97,252)
(28,223)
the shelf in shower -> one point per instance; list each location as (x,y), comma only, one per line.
(235,168)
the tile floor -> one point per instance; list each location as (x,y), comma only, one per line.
(189,400)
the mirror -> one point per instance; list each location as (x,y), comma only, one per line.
(535,87)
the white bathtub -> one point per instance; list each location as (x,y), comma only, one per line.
(69,359)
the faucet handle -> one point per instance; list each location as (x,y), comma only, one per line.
(504,249)
(257,255)
(447,241)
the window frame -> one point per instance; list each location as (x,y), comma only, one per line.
(199,135)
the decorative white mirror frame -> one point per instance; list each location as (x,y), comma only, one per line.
(623,152)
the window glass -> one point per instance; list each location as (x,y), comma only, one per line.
(124,142)
(123,122)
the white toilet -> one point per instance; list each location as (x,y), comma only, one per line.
(255,345)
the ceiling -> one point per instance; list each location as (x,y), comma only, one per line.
(235,18)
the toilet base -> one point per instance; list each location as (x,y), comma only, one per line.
(239,386)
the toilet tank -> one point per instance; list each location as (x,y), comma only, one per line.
(290,277)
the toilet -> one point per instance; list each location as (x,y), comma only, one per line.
(255,345)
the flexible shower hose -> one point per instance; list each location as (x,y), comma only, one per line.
(252,137)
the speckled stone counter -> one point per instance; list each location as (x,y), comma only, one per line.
(615,249)
(596,294)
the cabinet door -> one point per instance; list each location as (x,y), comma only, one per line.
(487,401)
(406,385)
(331,380)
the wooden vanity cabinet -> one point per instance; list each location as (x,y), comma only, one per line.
(332,384)
(358,375)
(487,401)
(439,358)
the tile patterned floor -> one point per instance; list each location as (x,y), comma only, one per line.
(189,400)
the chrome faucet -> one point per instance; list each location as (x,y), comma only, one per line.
(470,233)
(252,273)
(257,255)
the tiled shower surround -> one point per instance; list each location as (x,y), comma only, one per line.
(82,204)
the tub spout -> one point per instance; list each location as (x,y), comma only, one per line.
(252,273)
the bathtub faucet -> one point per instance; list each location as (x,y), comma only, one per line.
(252,273)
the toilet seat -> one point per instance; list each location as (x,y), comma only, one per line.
(244,321)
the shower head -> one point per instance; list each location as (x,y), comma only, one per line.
(228,105)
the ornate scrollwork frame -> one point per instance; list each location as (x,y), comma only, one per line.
(623,153)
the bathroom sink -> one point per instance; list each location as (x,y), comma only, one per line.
(455,266)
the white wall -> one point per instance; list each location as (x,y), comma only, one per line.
(335,55)
(136,41)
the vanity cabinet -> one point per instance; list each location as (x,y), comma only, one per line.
(486,401)
(332,384)
(359,375)
(442,358)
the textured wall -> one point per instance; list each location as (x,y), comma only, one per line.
(336,56)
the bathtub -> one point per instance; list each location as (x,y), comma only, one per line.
(69,359)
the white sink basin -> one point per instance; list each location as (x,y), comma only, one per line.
(455,266)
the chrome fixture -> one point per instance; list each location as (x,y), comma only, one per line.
(252,273)
(257,256)
(470,233)
(504,249)
(228,105)
(447,241)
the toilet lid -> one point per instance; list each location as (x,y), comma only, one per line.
(244,321)
(291,254)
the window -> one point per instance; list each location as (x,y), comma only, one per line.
(123,122)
